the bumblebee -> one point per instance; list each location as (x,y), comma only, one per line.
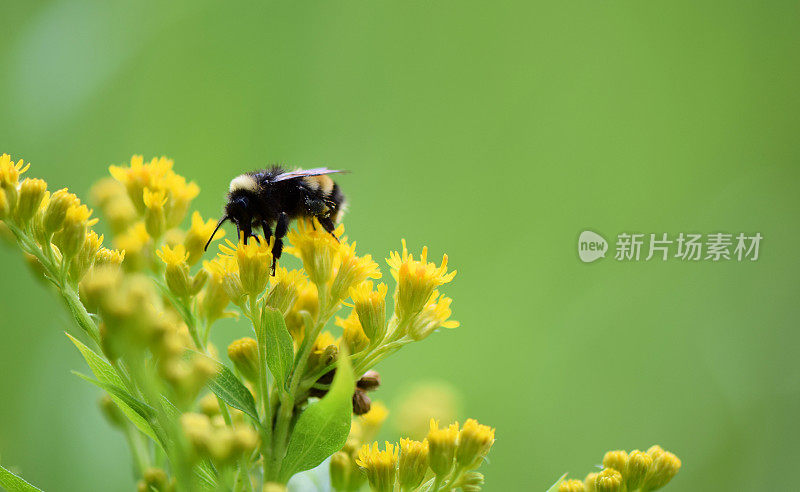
(274,197)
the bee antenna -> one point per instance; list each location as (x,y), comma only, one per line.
(219,224)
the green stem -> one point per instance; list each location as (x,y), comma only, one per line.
(263,386)
(288,398)
(141,456)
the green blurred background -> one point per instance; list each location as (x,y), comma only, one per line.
(495,132)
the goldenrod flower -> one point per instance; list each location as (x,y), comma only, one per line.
(571,486)
(9,178)
(226,268)
(31,194)
(617,460)
(56,210)
(416,280)
(353,335)
(197,235)
(86,256)
(442,445)
(283,291)
(155,219)
(590,481)
(324,351)
(344,473)
(370,305)
(134,242)
(639,464)
(372,421)
(435,314)
(413,463)
(139,176)
(307,300)
(254,260)
(181,195)
(177,271)
(111,257)
(213,300)
(5,205)
(352,270)
(474,442)
(664,468)
(244,355)
(380,466)
(73,234)
(316,248)
(608,480)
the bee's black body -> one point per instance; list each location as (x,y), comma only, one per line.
(272,197)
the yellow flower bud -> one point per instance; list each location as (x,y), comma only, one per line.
(571,486)
(244,355)
(283,292)
(307,300)
(590,482)
(181,195)
(608,480)
(155,220)
(209,405)
(474,443)
(86,256)
(639,464)
(353,335)
(111,257)
(352,271)
(274,487)
(9,178)
(442,445)
(379,466)
(177,272)
(213,300)
(617,460)
(197,236)
(370,306)
(73,234)
(413,463)
(31,193)
(664,468)
(56,210)
(471,481)
(5,205)
(345,476)
(135,243)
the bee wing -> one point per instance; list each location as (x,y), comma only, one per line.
(299,173)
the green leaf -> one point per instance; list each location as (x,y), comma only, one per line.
(14,483)
(275,335)
(228,387)
(322,428)
(142,409)
(205,473)
(554,487)
(106,373)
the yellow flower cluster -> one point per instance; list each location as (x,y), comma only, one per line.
(53,229)
(451,454)
(628,472)
(222,444)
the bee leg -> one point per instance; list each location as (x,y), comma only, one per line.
(267,230)
(281,228)
(327,224)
